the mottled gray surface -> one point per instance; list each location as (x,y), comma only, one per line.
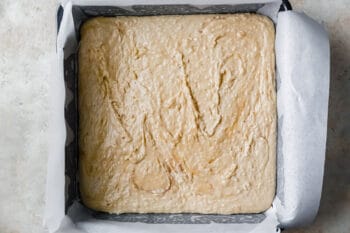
(182,218)
(27,50)
(334,214)
(27,45)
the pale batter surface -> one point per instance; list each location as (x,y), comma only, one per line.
(177,114)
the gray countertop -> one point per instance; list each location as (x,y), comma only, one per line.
(334,213)
(27,58)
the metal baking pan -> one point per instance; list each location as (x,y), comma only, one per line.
(81,13)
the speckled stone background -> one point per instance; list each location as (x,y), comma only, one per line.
(334,213)
(27,55)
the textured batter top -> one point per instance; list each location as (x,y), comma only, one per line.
(177,114)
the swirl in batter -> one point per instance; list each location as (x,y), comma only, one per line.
(177,114)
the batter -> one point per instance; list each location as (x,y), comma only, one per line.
(177,114)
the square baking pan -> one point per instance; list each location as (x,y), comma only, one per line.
(299,175)
(82,14)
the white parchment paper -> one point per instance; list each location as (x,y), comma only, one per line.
(303,69)
(302,58)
